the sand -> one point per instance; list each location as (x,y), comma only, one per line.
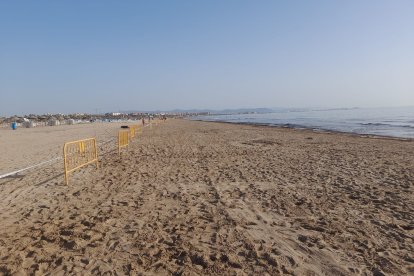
(202,198)
(28,146)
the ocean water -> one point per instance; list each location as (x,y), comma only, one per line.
(393,121)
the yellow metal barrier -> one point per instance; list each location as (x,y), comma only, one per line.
(78,154)
(131,132)
(139,129)
(123,139)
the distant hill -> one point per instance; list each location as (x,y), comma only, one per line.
(240,110)
(212,111)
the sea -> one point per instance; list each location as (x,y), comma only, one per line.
(389,121)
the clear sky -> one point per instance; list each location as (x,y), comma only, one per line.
(83,56)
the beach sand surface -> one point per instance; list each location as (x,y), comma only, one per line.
(25,147)
(192,198)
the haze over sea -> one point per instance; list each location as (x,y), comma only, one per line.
(388,121)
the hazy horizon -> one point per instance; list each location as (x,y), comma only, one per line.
(271,109)
(102,56)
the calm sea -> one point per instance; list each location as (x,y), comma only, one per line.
(395,121)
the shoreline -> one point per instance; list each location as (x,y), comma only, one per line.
(313,130)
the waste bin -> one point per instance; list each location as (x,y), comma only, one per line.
(14,125)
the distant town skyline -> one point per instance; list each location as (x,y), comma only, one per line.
(108,56)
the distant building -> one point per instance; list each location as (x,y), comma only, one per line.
(53,122)
(29,124)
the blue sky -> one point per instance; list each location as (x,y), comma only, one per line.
(82,56)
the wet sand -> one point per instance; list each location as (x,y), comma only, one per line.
(212,198)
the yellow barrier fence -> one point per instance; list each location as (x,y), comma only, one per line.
(123,139)
(78,154)
(133,131)
(139,129)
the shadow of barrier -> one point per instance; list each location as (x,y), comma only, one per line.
(123,139)
(78,154)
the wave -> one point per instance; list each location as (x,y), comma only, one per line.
(388,125)
(384,122)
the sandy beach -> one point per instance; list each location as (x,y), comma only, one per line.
(200,198)
(28,146)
